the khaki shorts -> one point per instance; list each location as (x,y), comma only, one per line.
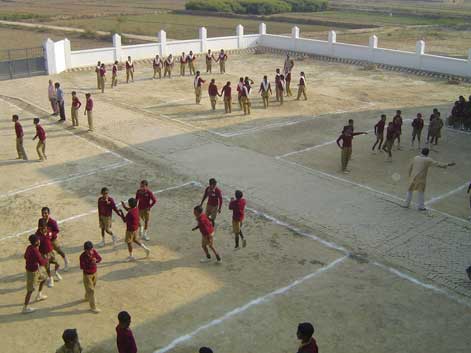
(144,215)
(105,222)
(207,240)
(236,226)
(211,211)
(56,245)
(50,257)
(33,279)
(131,236)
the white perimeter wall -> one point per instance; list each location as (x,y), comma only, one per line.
(60,58)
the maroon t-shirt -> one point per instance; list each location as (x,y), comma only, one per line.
(125,340)
(310,347)
(132,219)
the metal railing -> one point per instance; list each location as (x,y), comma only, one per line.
(17,63)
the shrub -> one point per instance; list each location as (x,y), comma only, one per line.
(212,5)
(265,7)
(307,5)
(257,7)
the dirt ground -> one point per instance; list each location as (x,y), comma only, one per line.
(324,247)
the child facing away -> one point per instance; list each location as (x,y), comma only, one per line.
(124,336)
(237,206)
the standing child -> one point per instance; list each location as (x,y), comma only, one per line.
(237,206)
(227,93)
(71,342)
(305,335)
(157,66)
(145,200)
(213,93)
(89,111)
(106,206)
(191,63)
(436,128)
(35,272)
(281,88)
(97,72)
(168,66)
(124,337)
(265,91)
(47,252)
(390,137)
(197,83)
(302,87)
(41,136)
(214,196)
(114,74)
(417,126)
(397,121)
(288,84)
(132,225)
(207,234)
(51,93)
(222,58)
(54,229)
(379,132)
(245,97)
(347,138)
(240,88)
(209,61)
(277,81)
(19,138)
(182,64)
(76,104)
(60,101)
(129,69)
(102,77)
(88,264)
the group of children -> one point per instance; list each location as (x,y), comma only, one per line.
(460,117)
(40,254)
(40,135)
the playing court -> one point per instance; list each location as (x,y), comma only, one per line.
(324,247)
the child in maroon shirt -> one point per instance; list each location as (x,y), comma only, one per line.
(132,225)
(308,343)
(47,251)
(145,201)
(214,196)
(41,135)
(34,275)
(124,337)
(88,264)
(237,206)
(207,232)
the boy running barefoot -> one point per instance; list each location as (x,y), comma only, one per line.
(47,252)
(207,234)
(145,200)
(35,272)
(237,206)
(106,206)
(54,229)
(88,261)
(132,225)
(124,337)
(214,196)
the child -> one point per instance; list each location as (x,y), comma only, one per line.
(280,86)
(71,342)
(308,343)
(157,66)
(88,261)
(397,121)
(106,206)
(197,83)
(417,126)
(114,74)
(347,137)
(207,234)
(129,70)
(34,272)
(19,138)
(89,111)
(54,229)
(41,136)
(205,350)
(102,77)
(227,93)
(47,251)
(222,58)
(390,137)
(240,88)
(132,225)
(265,91)
(379,132)
(168,66)
(302,87)
(213,93)
(145,201)
(277,84)
(124,337)
(76,104)
(214,196)
(97,71)
(237,206)
(190,59)
(182,64)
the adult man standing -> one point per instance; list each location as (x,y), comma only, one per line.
(418,177)
(60,101)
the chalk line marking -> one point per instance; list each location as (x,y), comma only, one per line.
(81,215)
(260,300)
(447,194)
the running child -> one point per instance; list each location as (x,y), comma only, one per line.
(88,264)
(106,206)
(237,206)
(145,201)
(379,132)
(35,272)
(214,196)
(132,225)
(47,252)
(124,337)
(41,136)
(207,234)
(54,229)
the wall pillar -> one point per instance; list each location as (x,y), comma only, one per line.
(240,36)
(372,45)
(469,56)
(67,54)
(262,28)
(295,32)
(203,33)
(332,41)
(117,47)
(419,51)
(50,56)
(163,43)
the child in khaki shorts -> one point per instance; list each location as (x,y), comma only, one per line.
(132,226)
(214,196)
(237,206)
(35,273)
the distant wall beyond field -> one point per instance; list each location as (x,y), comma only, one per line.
(60,58)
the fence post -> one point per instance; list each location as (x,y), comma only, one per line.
(240,36)
(117,47)
(203,34)
(262,28)
(419,51)
(372,44)
(67,54)
(332,41)
(469,56)
(50,56)
(163,43)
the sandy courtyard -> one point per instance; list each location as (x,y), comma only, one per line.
(324,247)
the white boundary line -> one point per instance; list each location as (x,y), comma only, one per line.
(17,235)
(239,310)
(64,179)
(445,195)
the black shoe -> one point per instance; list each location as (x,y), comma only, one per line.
(468,271)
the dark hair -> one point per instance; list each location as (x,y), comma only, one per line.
(105,189)
(145,182)
(70,335)
(425,151)
(74,93)
(383,115)
(124,316)
(33,238)
(57,84)
(228,83)
(302,73)
(88,245)
(435,110)
(42,223)
(265,76)
(132,202)
(15,116)
(398,112)
(212,181)
(305,329)
(116,62)
(198,209)
(350,121)
(241,79)
(213,80)
(205,350)
(197,72)
(277,70)
(419,115)
(238,194)
(45,209)
(36,121)
(87,95)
